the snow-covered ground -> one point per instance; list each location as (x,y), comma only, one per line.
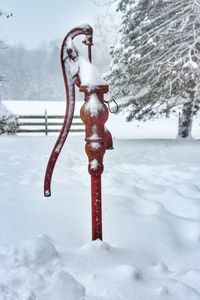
(151,217)
(151,222)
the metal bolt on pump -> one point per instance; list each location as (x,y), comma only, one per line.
(98,138)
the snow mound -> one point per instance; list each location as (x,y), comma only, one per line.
(63,286)
(33,269)
(39,254)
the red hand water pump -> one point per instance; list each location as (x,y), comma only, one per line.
(94,114)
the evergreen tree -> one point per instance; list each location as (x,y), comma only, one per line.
(156,65)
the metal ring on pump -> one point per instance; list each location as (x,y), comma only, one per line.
(116,105)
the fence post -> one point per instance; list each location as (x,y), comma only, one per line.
(46,122)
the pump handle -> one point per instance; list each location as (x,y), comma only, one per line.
(68,55)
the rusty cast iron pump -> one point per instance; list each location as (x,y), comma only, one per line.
(79,71)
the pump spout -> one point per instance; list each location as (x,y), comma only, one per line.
(68,56)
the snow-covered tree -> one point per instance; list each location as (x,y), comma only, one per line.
(156,65)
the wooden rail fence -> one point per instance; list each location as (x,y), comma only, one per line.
(46,123)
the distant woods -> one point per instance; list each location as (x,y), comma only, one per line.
(31,74)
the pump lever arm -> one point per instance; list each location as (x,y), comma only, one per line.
(68,55)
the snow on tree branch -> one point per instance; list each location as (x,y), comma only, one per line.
(160,52)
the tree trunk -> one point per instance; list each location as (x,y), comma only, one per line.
(167,113)
(168,110)
(186,118)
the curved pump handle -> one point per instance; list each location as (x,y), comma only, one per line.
(68,55)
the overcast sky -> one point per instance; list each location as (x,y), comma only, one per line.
(35,21)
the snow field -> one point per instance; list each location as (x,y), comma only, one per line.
(151,222)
